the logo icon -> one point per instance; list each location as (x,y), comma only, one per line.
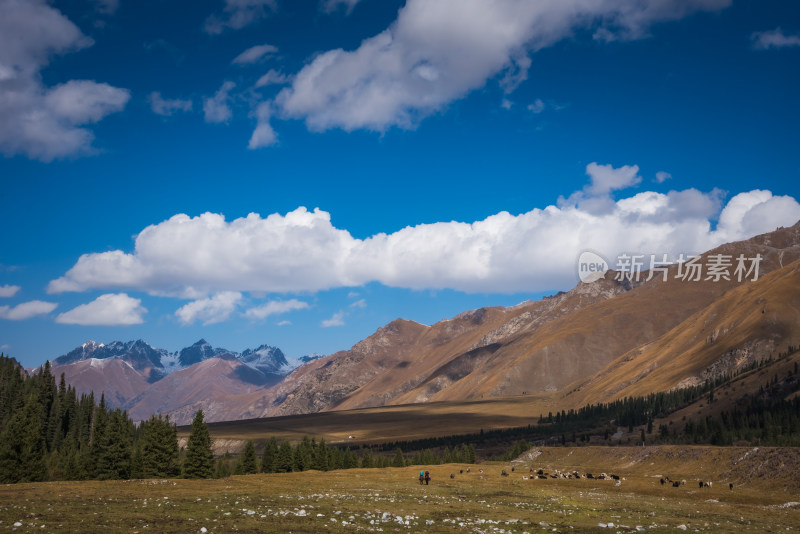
(591,266)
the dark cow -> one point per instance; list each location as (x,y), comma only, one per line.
(730,486)
(589,475)
(543,477)
(504,473)
(676,484)
(662,481)
(701,483)
(615,477)
(460,471)
(512,469)
(452,475)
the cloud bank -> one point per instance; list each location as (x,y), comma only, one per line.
(42,122)
(193,257)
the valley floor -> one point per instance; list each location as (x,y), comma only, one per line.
(391,500)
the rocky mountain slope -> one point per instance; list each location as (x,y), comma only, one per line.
(553,345)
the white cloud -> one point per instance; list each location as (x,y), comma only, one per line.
(284,323)
(506,104)
(238,14)
(537,106)
(26,310)
(533,251)
(275,307)
(210,310)
(254,54)
(166,107)
(437,52)
(662,176)
(773,39)
(216,108)
(272,77)
(5,346)
(9,290)
(263,135)
(40,122)
(111,309)
(360,303)
(336,320)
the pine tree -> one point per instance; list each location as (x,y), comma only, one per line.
(199,461)
(366,459)
(247,462)
(270,456)
(22,446)
(284,459)
(319,456)
(399,459)
(159,448)
(116,446)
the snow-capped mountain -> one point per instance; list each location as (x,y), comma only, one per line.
(125,371)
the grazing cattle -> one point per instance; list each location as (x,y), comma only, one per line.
(452,475)
(540,472)
(589,475)
(543,477)
(480,470)
(662,481)
(676,484)
(615,477)
(504,473)
(512,469)
(683,482)
(730,486)
(460,471)
(701,483)
(708,484)
(467,469)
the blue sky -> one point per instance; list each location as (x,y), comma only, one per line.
(163,161)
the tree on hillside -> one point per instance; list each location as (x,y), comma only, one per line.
(199,461)
(247,462)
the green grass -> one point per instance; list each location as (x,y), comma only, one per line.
(372,499)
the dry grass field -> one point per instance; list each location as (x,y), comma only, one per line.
(764,498)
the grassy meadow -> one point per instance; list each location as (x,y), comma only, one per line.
(391,499)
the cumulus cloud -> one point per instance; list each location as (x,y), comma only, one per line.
(210,310)
(272,77)
(9,290)
(534,251)
(40,122)
(217,108)
(360,303)
(26,310)
(662,176)
(166,107)
(437,52)
(596,196)
(275,307)
(773,39)
(239,13)
(254,54)
(337,319)
(111,309)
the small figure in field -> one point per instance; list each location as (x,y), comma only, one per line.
(730,486)
(427,477)
(452,475)
(421,477)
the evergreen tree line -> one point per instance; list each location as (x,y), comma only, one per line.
(48,432)
(312,454)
